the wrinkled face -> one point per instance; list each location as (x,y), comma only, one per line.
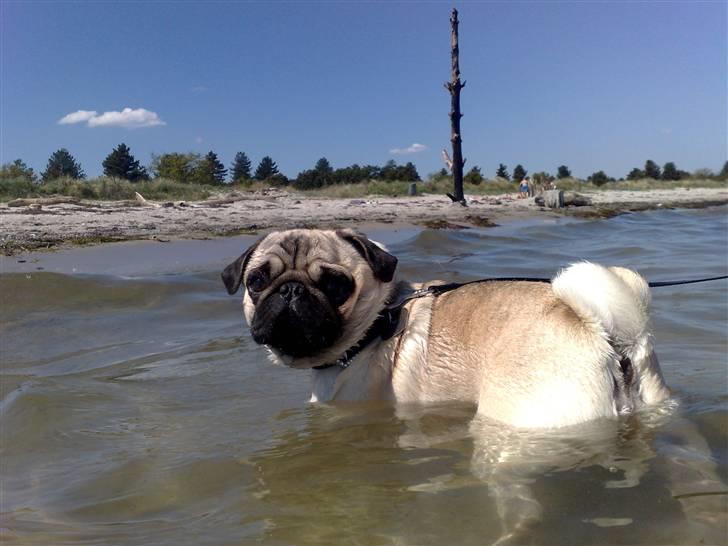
(309,295)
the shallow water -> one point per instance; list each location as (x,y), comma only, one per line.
(135,409)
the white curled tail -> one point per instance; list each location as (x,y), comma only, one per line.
(615,302)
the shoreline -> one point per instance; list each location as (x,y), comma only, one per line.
(50,227)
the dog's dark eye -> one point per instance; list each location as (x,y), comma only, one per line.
(257,280)
(337,286)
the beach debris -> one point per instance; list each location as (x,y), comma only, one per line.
(143,202)
(558,199)
(28,201)
(480,221)
(442,224)
(221,201)
(447,160)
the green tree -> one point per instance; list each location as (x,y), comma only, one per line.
(240,169)
(652,170)
(210,170)
(474,176)
(62,164)
(670,172)
(321,175)
(278,180)
(636,174)
(121,164)
(308,180)
(409,173)
(502,172)
(598,178)
(355,174)
(723,174)
(405,173)
(519,173)
(323,166)
(17,169)
(175,166)
(266,169)
(389,171)
(563,172)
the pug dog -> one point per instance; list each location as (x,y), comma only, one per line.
(527,354)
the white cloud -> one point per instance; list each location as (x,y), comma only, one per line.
(199,140)
(128,118)
(412,149)
(131,119)
(78,116)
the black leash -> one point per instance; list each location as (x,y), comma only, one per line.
(442,288)
(675,283)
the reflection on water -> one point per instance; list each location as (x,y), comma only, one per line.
(137,411)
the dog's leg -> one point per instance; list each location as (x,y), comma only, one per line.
(694,482)
(501,460)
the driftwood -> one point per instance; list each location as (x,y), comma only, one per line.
(143,202)
(220,201)
(576,200)
(447,160)
(556,199)
(454,86)
(43,201)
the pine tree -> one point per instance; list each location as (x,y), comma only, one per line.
(323,166)
(502,172)
(61,164)
(266,168)
(121,164)
(474,176)
(240,169)
(409,173)
(636,174)
(563,172)
(652,170)
(210,170)
(723,175)
(219,172)
(670,172)
(519,173)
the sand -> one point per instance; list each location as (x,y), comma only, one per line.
(91,222)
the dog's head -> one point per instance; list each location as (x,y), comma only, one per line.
(309,295)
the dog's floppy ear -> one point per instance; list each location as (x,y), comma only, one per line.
(232,275)
(382,262)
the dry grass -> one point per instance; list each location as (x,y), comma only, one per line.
(105,188)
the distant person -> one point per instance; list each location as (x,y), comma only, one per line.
(523,189)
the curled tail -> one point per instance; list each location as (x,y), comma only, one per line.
(614,302)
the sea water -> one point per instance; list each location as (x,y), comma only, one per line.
(137,410)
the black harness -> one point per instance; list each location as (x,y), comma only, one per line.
(386,324)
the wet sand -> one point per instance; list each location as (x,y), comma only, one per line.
(92,222)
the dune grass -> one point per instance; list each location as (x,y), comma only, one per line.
(112,189)
(498,187)
(103,188)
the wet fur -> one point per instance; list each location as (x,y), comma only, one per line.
(526,354)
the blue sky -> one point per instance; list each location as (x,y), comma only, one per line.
(593,85)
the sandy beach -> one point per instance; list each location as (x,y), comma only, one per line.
(91,222)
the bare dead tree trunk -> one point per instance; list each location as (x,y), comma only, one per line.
(454,86)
